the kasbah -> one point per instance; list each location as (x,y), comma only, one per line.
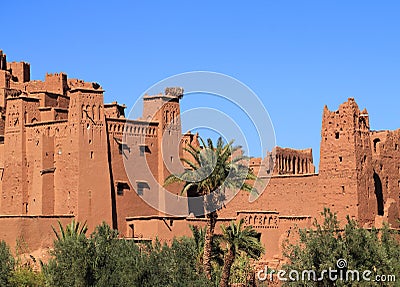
(62,153)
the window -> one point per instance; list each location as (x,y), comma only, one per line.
(141,187)
(376,145)
(122,187)
(337,135)
(340,159)
(122,146)
(143,148)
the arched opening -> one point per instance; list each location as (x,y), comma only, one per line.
(94,112)
(378,193)
(166,116)
(376,145)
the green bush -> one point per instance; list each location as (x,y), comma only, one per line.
(25,276)
(104,260)
(322,246)
(173,266)
(6,264)
(71,263)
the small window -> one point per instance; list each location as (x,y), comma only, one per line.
(141,186)
(140,189)
(143,149)
(376,145)
(122,187)
(122,147)
(337,135)
(340,159)
(91,155)
(120,190)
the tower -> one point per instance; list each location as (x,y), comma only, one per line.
(345,171)
(89,155)
(165,109)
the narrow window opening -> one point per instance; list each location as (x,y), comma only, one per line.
(340,159)
(376,145)
(378,193)
(143,149)
(337,135)
(140,189)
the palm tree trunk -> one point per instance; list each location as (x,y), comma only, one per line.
(226,270)
(211,221)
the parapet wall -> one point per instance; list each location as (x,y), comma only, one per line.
(34,233)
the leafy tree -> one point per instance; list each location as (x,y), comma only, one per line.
(173,266)
(116,262)
(213,171)
(321,247)
(238,240)
(71,265)
(6,264)
(103,259)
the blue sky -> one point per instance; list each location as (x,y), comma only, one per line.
(296,56)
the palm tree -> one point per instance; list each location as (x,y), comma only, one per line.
(72,230)
(198,234)
(212,172)
(238,240)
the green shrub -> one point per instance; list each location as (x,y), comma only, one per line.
(6,264)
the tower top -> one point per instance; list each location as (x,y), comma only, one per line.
(170,94)
(174,92)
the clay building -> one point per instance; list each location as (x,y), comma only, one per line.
(63,155)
